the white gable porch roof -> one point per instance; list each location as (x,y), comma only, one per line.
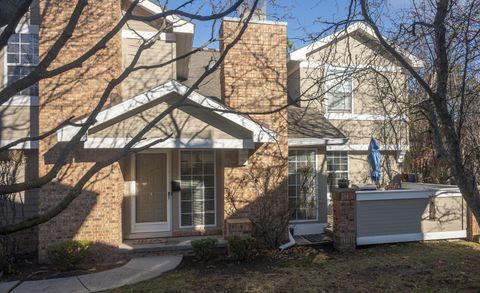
(260,134)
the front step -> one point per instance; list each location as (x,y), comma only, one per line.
(181,244)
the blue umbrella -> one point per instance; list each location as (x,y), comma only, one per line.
(374,160)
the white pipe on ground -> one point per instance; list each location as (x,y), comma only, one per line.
(290,243)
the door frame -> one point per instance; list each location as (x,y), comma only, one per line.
(153,227)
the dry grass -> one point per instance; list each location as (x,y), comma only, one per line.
(414,267)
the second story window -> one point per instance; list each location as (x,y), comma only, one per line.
(339,91)
(22,57)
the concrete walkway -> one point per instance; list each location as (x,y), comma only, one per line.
(136,270)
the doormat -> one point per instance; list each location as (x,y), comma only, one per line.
(149,241)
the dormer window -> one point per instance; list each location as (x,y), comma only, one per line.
(22,57)
(339,91)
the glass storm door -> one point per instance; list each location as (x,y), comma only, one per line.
(151,204)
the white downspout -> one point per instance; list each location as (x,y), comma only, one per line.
(291,240)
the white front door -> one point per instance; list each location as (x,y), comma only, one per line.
(151,203)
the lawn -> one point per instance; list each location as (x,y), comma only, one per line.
(413,267)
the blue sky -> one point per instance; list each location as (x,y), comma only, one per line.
(302,16)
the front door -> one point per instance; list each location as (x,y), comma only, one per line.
(151,203)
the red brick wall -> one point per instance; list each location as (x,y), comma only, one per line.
(96,213)
(254,78)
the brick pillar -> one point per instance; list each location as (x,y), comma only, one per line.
(96,213)
(254,78)
(344,219)
(473,229)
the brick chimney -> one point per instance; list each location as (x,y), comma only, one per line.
(96,213)
(254,78)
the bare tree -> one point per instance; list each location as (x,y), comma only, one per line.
(46,69)
(445,35)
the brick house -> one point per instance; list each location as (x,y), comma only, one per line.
(213,164)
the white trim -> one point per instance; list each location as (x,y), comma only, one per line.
(22,101)
(310,64)
(260,133)
(270,22)
(21,146)
(308,228)
(135,34)
(26,29)
(366,240)
(364,147)
(214,195)
(152,227)
(180,25)
(363,117)
(292,142)
(172,143)
(369,195)
(301,54)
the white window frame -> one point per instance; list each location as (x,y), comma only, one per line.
(214,191)
(20,100)
(316,185)
(348,164)
(327,89)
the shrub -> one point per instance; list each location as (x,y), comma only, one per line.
(204,248)
(68,254)
(241,247)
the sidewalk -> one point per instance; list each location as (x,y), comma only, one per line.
(136,270)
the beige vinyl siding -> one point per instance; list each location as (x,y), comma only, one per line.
(143,80)
(405,216)
(359,168)
(178,123)
(161,52)
(18,121)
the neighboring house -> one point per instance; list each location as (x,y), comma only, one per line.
(362,91)
(223,162)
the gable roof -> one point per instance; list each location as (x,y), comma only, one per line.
(259,133)
(358,27)
(210,86)
(180,25)
(307,126)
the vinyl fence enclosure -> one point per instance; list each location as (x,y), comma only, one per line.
(415,213)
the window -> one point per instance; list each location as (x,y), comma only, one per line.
(339,91)
(197,198)
(302,195)
(22,57)
(337,167)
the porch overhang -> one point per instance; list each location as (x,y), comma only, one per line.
(308,141)
(195,143)
(256,133)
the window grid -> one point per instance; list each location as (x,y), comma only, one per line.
(339,87)
(302,184)
(197,197)
(21,59)
(337,167)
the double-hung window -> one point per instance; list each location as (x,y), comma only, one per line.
(21,59)
(337,167)
(302,195)
(197,197)
(339,91)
